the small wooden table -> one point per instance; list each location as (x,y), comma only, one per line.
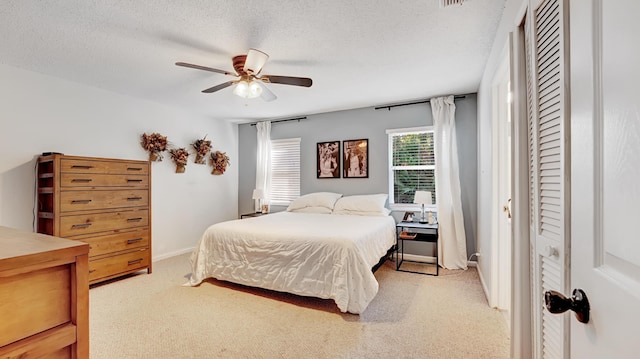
(423,232)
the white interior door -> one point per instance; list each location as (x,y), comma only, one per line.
(605,182)
(504,298)
(500,296)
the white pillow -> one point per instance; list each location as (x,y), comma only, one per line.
(317,199)
(315,209)
(362,203)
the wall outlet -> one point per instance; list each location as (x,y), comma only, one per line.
(476,254)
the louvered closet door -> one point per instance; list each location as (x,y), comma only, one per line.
(548,172)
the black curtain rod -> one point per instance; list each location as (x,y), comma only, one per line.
(290,119)
(389,107)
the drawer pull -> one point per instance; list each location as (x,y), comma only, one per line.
(137,219)
(82,225)
(91,271)
(81,201)
(134,198)
(82,166)
(132,241)
(134,180)
(408,235)
(81,180)
(134,168)
(135,261)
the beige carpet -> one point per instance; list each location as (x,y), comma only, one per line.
(412,316)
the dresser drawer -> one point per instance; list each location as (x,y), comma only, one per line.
(33,302)
(126,262)
(91,200)
(69,165)
(117,242)
(100,180)
(101,222)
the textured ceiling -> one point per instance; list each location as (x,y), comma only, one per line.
(358,52)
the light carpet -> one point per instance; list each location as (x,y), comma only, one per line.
(412,316)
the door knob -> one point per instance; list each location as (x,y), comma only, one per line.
(551,251)
(578,303)
(507,208)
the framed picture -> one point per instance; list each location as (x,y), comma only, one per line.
(355,163)
(408,217)
(328,159)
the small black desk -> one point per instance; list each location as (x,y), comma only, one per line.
(424,233)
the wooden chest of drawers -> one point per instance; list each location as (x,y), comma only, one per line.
(104,202)
(44,296)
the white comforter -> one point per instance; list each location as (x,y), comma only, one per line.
(321,255)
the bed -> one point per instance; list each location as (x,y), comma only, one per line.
(324,255)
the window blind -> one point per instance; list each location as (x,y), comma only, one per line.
(285,171)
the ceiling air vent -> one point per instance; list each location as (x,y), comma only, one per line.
(445,3)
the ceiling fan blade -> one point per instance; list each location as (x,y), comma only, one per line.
(255,60)
(198,67)
(267,95)
(219,87)
(288,80)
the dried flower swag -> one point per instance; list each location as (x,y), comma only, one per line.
(180,156)
(219,162)
(155,144)
(202,147)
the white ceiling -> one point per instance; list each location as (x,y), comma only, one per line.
(358,52)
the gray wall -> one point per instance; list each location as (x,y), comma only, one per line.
(370,124)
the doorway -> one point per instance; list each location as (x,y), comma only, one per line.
(501,217)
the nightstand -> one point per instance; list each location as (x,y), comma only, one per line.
(254,214)
(416,232)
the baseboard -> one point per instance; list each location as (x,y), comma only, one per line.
(173,254)
(483,283)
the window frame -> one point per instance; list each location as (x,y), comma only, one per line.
(283,201)
(391,133)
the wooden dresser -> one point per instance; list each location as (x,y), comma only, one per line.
(100,201)
(44,296)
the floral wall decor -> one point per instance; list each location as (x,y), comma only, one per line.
(219,161)
(202,147)
(179,157)
(155,144)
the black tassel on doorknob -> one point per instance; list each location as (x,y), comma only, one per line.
(578,303)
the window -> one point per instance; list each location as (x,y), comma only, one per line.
(412,164)
(285,171)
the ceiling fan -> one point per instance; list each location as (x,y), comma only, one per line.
(249,81)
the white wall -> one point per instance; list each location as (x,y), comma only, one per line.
(485,232)
(40,113)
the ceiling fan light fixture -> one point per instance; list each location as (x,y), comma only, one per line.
(247,83)
(255,89)
(248,89)
(241,89)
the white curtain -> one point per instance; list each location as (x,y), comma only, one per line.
(263,162)
(452,245)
